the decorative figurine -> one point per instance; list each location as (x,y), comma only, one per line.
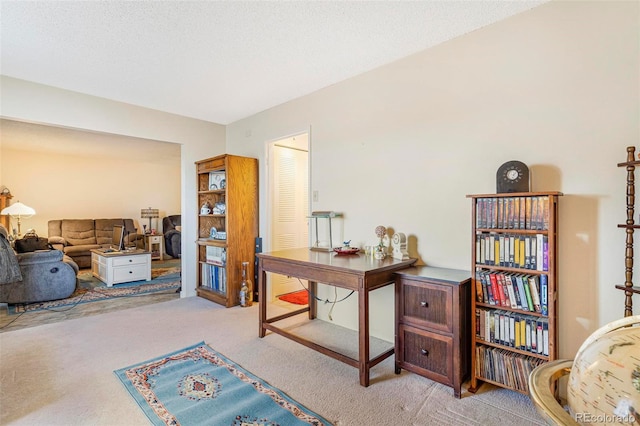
(380,249)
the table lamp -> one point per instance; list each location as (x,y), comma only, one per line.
(149,214)
(18,210)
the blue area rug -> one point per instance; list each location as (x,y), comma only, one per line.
(199,386)
(165,276)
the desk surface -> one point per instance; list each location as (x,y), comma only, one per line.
(314,265)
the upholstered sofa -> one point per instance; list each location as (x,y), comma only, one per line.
(77,237)
(172,235)
(46,275)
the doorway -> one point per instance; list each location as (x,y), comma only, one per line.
(289,203)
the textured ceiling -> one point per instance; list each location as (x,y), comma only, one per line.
(222,61)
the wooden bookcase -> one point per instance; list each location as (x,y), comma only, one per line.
(629,226)
(5,200)
(507,340)
(229,182)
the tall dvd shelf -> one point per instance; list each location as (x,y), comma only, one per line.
(514,268)
(227,225)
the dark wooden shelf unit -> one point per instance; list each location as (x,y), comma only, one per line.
(506,360)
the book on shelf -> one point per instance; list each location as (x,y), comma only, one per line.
(510,291)
(545,213)
(516,294)
(479,290)
(503,367)
(534,289)
(533,261)
(544,295)
(214,278)
(545,336)
(486,284)
(513,213)
(216,255)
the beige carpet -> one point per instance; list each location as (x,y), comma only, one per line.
(62,373)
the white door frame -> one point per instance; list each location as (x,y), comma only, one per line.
(267,241)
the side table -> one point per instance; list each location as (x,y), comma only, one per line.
(155,244)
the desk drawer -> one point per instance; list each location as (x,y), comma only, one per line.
(129,260)
(428,354)
(427,305)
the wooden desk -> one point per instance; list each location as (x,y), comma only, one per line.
(357,272)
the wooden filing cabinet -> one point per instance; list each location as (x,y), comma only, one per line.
(433,325)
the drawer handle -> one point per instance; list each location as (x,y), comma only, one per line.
(424,304)
(131,272)
(130,260)
(424,352)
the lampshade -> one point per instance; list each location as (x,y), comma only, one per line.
(18,209)
(149,213)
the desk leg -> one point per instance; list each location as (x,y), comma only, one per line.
(262,299)
(363,333)
(313,302)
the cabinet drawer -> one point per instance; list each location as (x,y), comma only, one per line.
(428,354)
(131,273)
(129,260)
(427,305)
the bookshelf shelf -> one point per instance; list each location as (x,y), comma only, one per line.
(630,227)
(220,260)
(514,281)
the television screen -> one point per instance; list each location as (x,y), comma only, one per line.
(118,237)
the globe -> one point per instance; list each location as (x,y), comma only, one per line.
(604,382)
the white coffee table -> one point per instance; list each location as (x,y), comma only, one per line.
(121,266)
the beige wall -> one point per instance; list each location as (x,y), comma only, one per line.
(65,173)
(556,87)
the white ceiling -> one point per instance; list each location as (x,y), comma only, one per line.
(222,61)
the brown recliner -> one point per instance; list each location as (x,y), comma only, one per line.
(172,236)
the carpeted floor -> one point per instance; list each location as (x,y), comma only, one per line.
(62,373)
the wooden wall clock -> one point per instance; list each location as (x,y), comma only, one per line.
(512,176)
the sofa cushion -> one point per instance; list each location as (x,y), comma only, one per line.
(78,231)
(55,228)
(104,230)
(83,249)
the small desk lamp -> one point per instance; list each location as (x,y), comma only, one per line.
(149,214)
(18,210)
